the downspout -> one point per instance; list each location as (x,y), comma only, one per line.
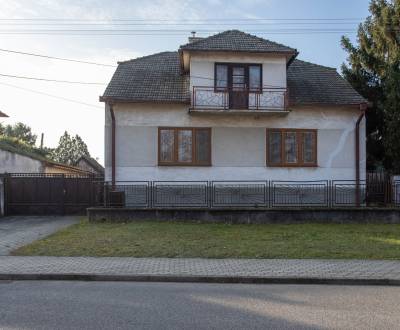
(112,146)
(357,132)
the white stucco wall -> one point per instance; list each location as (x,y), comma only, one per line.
(15,163)
(238,144)
(202,68)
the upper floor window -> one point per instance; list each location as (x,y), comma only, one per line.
(221,76)
(184,146)
(237,76)
(291,147)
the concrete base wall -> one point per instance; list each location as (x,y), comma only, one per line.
(247,216)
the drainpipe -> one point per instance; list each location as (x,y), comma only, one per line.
(112,146)
(357,132)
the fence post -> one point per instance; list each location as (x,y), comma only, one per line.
(2,199)
(63,195)
(210,193)
(150,193)
(6,192)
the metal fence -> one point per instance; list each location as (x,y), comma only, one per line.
(396,193)
(236,194)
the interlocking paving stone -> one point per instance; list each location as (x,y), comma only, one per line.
(17,231)
(257,268)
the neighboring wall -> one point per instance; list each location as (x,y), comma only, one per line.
(238,144)
(16,163)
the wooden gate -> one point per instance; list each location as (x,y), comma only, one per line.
(46,194)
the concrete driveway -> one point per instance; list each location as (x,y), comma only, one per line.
(17,231)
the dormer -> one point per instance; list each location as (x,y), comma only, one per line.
(236,71)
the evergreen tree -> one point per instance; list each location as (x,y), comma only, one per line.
(69,149)
(373,70)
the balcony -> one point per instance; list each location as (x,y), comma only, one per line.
(239,101)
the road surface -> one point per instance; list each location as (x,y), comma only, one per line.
(122,305)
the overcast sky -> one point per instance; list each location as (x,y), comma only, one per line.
(53,116)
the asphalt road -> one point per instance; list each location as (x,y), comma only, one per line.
(118,305)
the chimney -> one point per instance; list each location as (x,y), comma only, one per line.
(193,38)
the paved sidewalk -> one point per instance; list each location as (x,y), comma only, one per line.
(16,231)
(201,270)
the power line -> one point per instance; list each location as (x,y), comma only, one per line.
(51,80)
(56,58)
(185,20)
(51,95)
(178,24)
(117,33)
(170,30)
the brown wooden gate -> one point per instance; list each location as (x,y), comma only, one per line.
(46,194)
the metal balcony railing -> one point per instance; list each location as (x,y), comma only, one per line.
(210,98)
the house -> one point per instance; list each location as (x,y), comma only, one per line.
(17,160)
(232,106)
(90,165)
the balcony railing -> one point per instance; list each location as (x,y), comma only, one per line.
(265,99)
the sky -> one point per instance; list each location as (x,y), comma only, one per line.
(47,110)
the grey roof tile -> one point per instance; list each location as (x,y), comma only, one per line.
(151,78)
(234,40)
(310,83)
(158,78)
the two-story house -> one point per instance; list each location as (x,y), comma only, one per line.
(232,106)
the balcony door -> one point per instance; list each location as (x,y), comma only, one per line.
(238,87)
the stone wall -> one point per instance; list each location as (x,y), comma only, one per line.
(246,216)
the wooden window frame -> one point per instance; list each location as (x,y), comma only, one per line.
(299,144)
(194,161)
(229,71)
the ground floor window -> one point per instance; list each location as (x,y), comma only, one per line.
(291,147)
(184,146)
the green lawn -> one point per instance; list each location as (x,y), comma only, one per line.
(174,239)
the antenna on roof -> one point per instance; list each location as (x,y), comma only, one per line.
(193,37)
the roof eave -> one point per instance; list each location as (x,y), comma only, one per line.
(108,99)
(292,58)
(294,51)
(323,104)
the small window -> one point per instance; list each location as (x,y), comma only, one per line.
(275,149)
(184,146)
(291,147)
(221,77)
(166,137)
(309,147)
(255,77)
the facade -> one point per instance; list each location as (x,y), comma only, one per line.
(232,107)
(12,161)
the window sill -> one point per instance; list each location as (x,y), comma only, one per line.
(295,166)
(183,165)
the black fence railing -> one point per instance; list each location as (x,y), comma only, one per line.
(396,193)
(246,194)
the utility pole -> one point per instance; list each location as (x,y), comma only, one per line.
(41,141)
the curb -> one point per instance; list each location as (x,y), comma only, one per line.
(197,279)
